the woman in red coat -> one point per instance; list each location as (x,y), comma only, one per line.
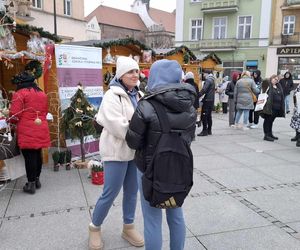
(29,108)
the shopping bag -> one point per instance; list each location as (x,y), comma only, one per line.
(261,101)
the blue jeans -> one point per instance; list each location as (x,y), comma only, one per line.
(116,175)
(287,103)
(153,224)
(239,113)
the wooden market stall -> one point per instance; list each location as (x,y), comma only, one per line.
(16,52)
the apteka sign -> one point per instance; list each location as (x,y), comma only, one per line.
(288,51)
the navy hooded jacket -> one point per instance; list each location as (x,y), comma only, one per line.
(164,86)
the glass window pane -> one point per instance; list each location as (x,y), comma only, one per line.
(216,33)
(223,21)
(216,21)
(193,34)
(248,31)
(286,18)
(199,34)
(223,32)
(248,20)
(292,18)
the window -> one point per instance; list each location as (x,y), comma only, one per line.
(196,29)
(37,4)
(67,7)
(230,67)
(291,64)
(219,27)
(289,25)
(244,28)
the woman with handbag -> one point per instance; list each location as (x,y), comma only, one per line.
(244,91)
(274,106)
(29,108)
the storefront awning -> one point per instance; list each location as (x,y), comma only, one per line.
(251,63)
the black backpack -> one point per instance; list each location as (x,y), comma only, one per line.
(169,178)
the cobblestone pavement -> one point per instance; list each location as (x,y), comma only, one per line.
(246,195)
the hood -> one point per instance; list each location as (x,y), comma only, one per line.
(210,77)
(164,74)
(285,75)
(177,98)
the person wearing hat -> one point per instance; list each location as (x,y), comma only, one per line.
(164,86)
(115,112)
(29,108)
(208,91)
(189,78)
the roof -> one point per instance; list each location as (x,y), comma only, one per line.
(167,19)
(118,18)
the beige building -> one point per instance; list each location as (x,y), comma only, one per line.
(284,50)
(70,21)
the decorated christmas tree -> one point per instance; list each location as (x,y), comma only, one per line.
(77,120)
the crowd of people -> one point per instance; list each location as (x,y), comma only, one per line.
(133,128)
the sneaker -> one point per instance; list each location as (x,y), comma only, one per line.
(250,124)
(245,128)
(254,126)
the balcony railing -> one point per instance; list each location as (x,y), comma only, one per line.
(225,44)
(291,2)
(213,44)
(290,39)
(213,6)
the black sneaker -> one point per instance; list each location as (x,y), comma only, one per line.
(203,133)
(268,138)
(38,184)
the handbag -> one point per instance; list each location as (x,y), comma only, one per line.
(8,145)
(261,101)
(254,98)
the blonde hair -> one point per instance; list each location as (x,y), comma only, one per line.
(246,73)
(272,77)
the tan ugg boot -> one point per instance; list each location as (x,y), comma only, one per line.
(132,235)
(95,241)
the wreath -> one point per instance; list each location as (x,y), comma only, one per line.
(35,67)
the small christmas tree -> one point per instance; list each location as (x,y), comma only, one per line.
(77,120)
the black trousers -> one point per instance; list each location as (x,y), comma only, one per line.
(33,163)
(224,107)
(255,114)
(206,118)
(268,122)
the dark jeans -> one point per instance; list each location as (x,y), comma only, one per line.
(268,122)
(224,107)
(33,163)
(255,114)
(206,118)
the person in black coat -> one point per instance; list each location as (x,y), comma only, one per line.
(189,78)
(287,85)
(165,87)
(235,76)
(274,106)
(208,91)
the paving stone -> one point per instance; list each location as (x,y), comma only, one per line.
(289,156)
(214,162)
(61,231)
(264,238)
(5,194)
(255,159)
(243,178)
(215,214)
(225,148)
(201,185)
(59,190)
(282,204)
(264,146)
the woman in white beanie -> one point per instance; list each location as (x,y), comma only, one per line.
(115,112)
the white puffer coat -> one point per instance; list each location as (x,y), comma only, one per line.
(114,115)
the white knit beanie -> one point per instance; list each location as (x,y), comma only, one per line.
(189,75)
(124,65)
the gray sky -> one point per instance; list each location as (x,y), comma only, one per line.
(90,5)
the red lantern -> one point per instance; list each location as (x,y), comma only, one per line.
(98,178)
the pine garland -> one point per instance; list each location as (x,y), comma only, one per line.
(124,42)
(187,53)
(27,29)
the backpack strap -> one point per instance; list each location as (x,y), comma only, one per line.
(162,117)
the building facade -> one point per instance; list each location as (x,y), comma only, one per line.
(284,49)
(70,21)
(237,31)
(153,27)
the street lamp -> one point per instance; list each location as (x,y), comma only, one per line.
(54,14)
